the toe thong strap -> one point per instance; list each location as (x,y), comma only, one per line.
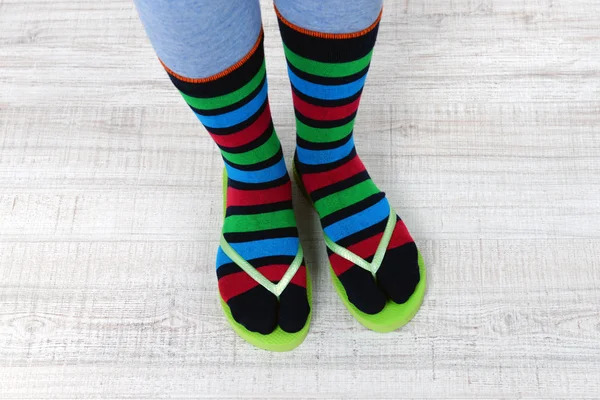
(276,289)
(374,265)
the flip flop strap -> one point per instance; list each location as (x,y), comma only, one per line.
(374,265)
(276,289)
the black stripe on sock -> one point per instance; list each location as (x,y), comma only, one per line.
(258,186)
(368,259)
(259,141)
(231,268)
(328,50)
(259,208)
(226,84)
(257,166)
(326,103)
(364,234)
(242,237)
(313,123)
(351,210)
(339,186)
(312,169)
(329,81)
(305,144)
(234,106)
(241,125)
(228,269)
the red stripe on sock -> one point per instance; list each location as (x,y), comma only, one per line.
(363,249)
(234,284)
(366,248)
(275,273)
(238,197)
(246,135)
(300,278)
(240,282)
(319,180)
(401,236)
(324,113)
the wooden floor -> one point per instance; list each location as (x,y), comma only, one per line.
(481,120)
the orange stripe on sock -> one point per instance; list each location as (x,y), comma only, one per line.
(328,35)
(220,74)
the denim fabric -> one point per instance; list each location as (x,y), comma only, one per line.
(330,16)
(200,38)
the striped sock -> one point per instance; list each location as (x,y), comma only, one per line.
(327,73)
(259,221)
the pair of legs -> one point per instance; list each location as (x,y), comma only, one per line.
(213,52)
(201,38)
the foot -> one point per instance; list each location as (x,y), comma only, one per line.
(260,227)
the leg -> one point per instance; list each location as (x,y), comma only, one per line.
(213,53)
(330,16)
(200,38)
(328,46)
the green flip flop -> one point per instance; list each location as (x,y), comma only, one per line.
(393,315)
(278,340)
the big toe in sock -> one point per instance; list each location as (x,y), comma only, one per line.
(293,308)
(255,309)
(362,290)
(398,274)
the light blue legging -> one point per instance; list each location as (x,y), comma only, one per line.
(200,38)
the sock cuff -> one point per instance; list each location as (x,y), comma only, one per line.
(234,67)
(324,35)
(237,81)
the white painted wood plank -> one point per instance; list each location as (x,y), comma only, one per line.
(481,120)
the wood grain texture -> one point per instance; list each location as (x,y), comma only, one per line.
(481,120)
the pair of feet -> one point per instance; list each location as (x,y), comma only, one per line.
(263,281)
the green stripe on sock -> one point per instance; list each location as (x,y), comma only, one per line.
(227,99)
(323,135)
(261,153)
(345,198)
(329,70)
(258,222)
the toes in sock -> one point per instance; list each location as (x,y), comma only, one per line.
(362,290)
(255,309)
(293,306)
(398,274)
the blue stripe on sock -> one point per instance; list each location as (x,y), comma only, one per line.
(261,248)
(316,157)
(359,221)
(261,176)
(326,92)
(236,116)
